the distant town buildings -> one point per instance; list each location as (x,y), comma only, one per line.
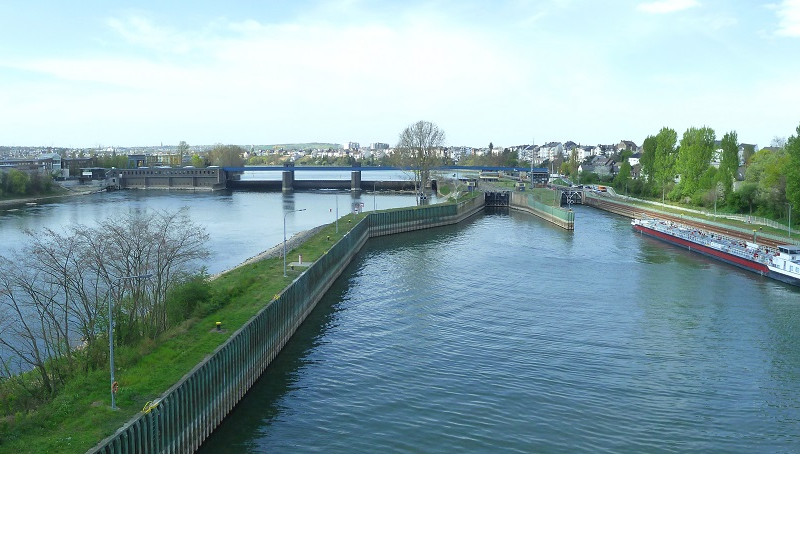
(601,158)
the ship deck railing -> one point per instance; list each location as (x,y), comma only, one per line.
(762,254)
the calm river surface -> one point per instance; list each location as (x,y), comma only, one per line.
(241,224)
(506,334)
(503,334)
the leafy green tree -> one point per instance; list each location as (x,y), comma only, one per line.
(710,190)
(665,157)
(112,161)
(748,193)
(729,163)
(793,170)
(589,178)
(571,166)
(648,160)
(197,161)
(226,155)
(623,178)
(694,155)
(767,174)
(17,182)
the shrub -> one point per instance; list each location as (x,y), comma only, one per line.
(185,297)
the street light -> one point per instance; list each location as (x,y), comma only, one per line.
(716,190)
(530,180)
(111,330)
(284,233)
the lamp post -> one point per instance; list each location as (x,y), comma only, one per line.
(111,330)
(530,180)
(284,233)
(715,201)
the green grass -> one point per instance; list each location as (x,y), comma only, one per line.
(81,416)
(702,214)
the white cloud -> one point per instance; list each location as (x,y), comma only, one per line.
(142,33)
(667,6)
(789,13)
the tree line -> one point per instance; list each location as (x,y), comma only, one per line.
(699,170)
(16,183)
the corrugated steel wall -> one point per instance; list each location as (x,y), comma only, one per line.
(189,411)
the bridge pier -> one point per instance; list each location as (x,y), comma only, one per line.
(355,177)
(287,179)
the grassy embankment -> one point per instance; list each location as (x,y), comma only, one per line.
(703,214)
(81,416)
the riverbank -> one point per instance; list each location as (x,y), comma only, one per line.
(276,251)
(80,416)
(83,189)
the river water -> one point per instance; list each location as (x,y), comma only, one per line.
(241,224)
(506,334)
(502,334)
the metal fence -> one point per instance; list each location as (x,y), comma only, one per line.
(190,410)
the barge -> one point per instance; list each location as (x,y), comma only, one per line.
(782,264)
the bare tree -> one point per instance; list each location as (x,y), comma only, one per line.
(183,150)
(166,244)
(54,291)
(418,148)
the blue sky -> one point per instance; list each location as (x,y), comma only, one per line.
(95,73)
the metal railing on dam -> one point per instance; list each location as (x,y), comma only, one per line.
(184,416)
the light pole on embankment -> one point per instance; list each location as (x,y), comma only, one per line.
(111,331)
(284,234)
(790,221)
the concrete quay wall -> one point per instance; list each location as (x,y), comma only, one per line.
(554,214)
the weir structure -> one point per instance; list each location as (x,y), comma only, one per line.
(194,179)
